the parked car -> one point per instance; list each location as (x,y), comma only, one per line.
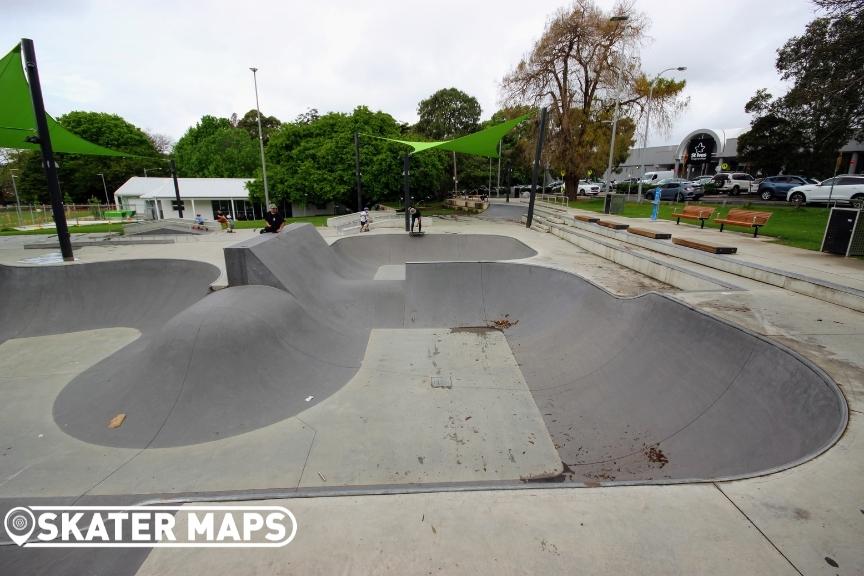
(651,178)
(674,189)
(733,183)
(777,187)
(702,180)
(587,188)
(846,189)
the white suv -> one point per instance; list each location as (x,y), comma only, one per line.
(733,182)
(588,188)
(847,188)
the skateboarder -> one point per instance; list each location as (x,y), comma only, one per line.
(226,223)
(416,217)
(364,220)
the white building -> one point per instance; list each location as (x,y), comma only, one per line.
(152,199)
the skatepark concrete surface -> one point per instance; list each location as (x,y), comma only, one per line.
(500,389)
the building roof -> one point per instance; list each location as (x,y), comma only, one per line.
(152,188)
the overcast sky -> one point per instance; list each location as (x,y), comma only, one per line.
(164,64)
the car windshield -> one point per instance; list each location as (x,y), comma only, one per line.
(811,181)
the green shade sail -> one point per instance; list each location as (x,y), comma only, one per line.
(482,143)
(18,121)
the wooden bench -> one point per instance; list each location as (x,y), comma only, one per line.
(694,213)
(750,218)
(705,246)
(613,225)
(584,218)
(650,233)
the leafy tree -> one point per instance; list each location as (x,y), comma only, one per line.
(312,161)
(448,113)
(575,69)
(249,123)
(213,148)
(803,130)
(79,175)
(841,7)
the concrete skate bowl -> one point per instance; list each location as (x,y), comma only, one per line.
(294,324)
(642,389)
(631,390)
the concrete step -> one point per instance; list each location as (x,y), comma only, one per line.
(680,274)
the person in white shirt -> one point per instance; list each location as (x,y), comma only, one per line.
(364,219)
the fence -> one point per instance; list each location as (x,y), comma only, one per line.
(38,215)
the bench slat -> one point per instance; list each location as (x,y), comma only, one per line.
(613,225)
(705,246)
(584,218)
(650,233)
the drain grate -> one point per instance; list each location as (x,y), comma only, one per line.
(441,381)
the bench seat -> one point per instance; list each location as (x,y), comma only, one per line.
(649,233)
(586,218)
(613,225)
(700,213)
(705,246)
(748,218)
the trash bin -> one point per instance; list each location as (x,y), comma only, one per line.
(844,232)
(613,203)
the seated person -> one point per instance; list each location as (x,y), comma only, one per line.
(225,222)
(274,221)
(199,223)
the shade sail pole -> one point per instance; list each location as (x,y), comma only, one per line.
(406,200)
(357,171)
(541,136)
(44,138)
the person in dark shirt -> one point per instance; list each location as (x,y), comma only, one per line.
(416,217)
(275,221)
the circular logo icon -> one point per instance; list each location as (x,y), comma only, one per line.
(19,523)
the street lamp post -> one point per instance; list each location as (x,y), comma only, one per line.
(615,19)
(647,120)
(17,201)
(261,138)
(105,187)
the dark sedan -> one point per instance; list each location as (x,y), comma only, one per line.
(776,187)
(676,189)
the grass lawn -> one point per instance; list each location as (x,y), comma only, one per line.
(800,227)
(430,209)
(94,228)
(319,221)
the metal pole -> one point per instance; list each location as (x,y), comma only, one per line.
(357,171)
(455,181)
(647,124)
(534,173)
(44,139)
(406,165)
(614,129)
(261,138)
(498,179)
(176,188)
(508,172)
(105,187)
(17,200)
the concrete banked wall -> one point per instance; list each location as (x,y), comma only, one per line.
(638,389)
